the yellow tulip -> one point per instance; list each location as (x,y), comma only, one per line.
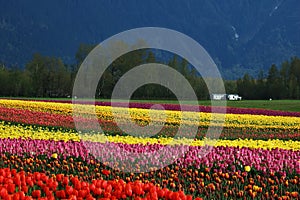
(54,156)
(247,168)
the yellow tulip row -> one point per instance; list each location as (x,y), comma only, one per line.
(143,116)
(263,144)
(39,106)
(15,131)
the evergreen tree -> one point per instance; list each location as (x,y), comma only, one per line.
(246,87)
(274,83)
(261,86)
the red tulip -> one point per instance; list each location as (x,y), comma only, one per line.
(11,188)
(105,172)
(90,197)
(60,194)
(29,181)
(98,183)
(77,185)
(107,195)
(3,193)
(189,197)
(104,184)
(65,180)
(54,185)
(153,195)
(48,192)
(44,177)
(169,194)
(84,184)
(37,176)
(36,193)
(13,172)
(69,190)
(97,191)
(40,183)
(17,180)
(74,179)
(21,195)
(59,177)
(128,190)
(24,189)
(72,197)
(117,194)
(50,197)
(161,193)
(82,193)
(75,193)
(137,189)
(181,194)
(92,187)
(175,196)
(108,188)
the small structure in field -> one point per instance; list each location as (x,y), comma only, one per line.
(230,97)
(234,97)
(218,97)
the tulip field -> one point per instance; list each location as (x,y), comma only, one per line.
(44,156)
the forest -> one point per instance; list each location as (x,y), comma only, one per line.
(45,76)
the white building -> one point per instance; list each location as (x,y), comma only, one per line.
(218,97)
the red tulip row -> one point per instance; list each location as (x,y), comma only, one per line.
(21,185)
(238,183)
(58,120)
(36,118)
(46,119)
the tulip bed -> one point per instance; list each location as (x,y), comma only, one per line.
(44,157)
(233,110)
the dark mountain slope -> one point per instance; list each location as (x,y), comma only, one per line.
(241,36)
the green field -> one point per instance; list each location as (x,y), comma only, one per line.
(285,105)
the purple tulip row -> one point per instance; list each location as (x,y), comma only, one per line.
(232,110)
(143,157)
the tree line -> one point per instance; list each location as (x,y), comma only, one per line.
(45,76)
(281,82)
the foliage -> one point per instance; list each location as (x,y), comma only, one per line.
(46,76)
(283,83)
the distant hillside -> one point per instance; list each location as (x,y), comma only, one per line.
(241,36)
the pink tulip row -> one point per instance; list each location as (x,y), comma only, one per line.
(223,159)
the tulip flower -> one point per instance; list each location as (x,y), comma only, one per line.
(247,168)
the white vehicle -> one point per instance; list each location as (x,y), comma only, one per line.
(234,97)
